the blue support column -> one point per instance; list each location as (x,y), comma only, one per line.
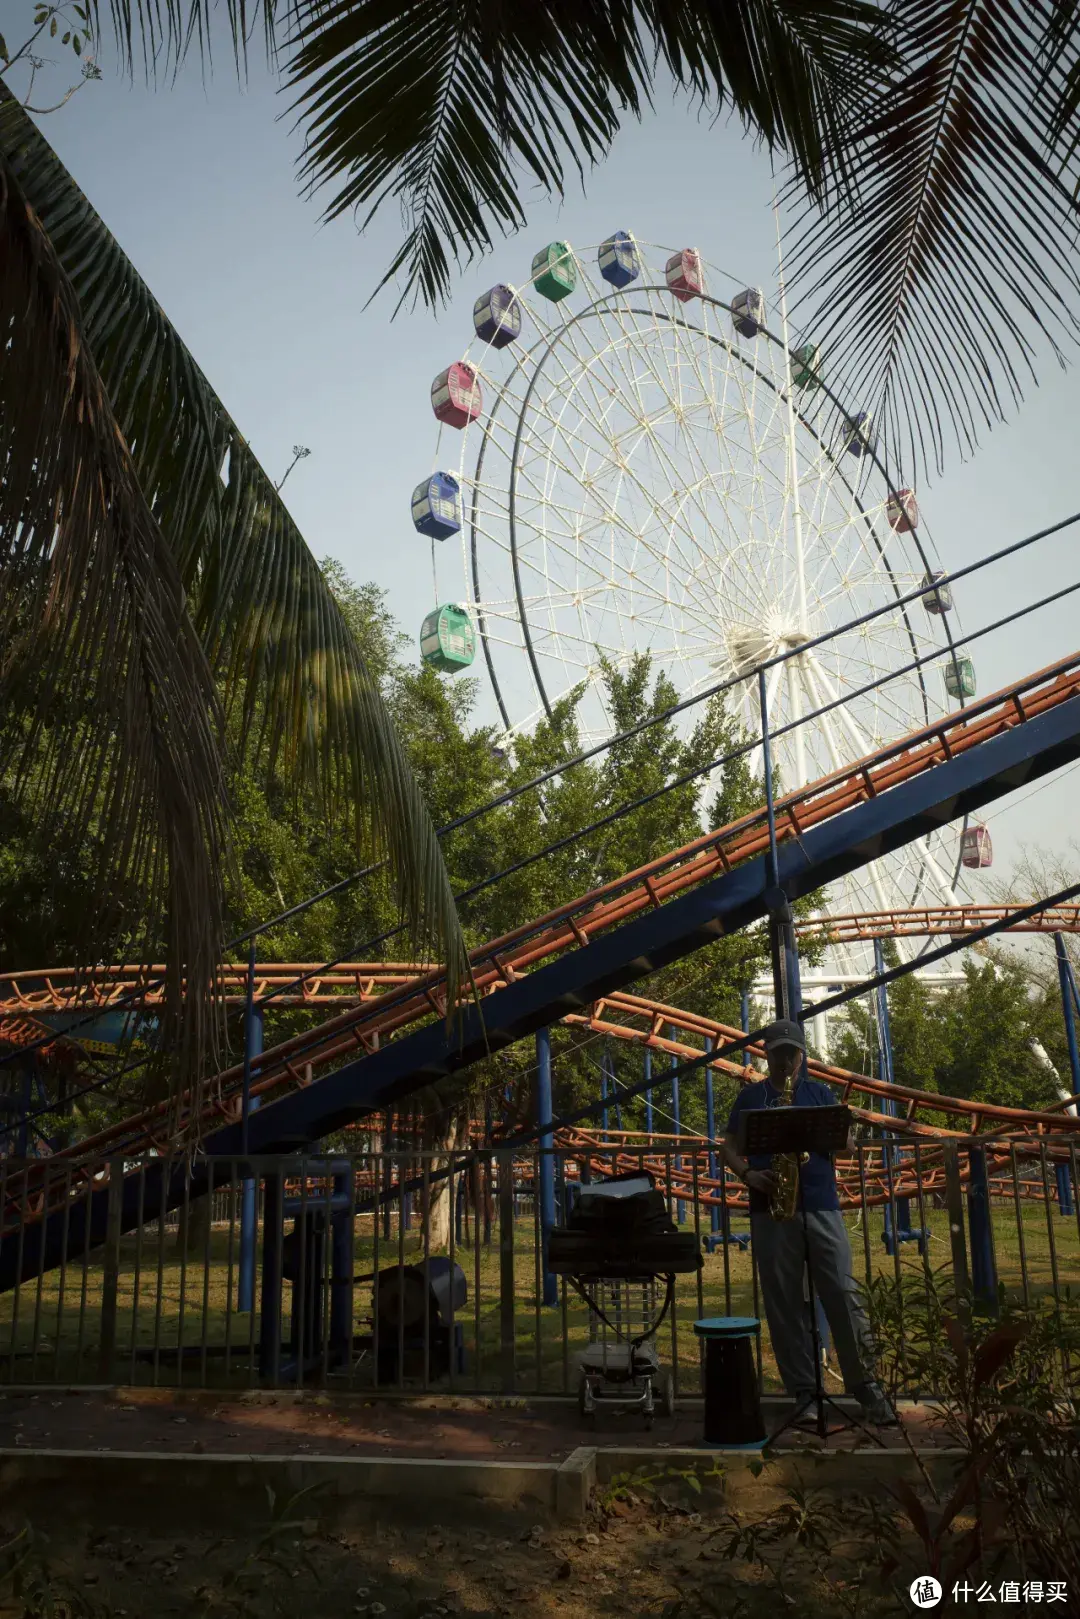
(680,1210)
(253,1045)
(648,1093)
(903,1232)
(1063,1172)
(603,1096)
(983,1269)
(710,1131)
(546,1152)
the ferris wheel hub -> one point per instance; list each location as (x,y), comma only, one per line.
(750,645)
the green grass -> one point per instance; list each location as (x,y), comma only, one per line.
(50,1330)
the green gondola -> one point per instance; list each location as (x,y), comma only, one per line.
(554,271)
(960,677)
(805,366)
(448,639)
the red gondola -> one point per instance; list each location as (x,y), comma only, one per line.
(902,510)
(455,395)
(684,278)
(976,849)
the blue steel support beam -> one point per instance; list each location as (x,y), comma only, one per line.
(984,1283)
(648,1093)
(946,792)
(1063,1172)
(546,1161)
(253,1045)
(903,1231)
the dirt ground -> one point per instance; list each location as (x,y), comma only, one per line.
(278,1424)
(630,1559)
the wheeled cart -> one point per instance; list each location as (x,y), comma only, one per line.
(620,1252)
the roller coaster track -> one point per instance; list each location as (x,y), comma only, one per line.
(939,921)
(33,992)
(585,950)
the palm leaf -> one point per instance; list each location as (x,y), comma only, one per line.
(273,634)
(110,722)
(450,107)
(445,107)
(948,268)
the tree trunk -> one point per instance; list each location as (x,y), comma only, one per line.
(194,1227)
(446,1138)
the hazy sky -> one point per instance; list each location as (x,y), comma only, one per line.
(197,183)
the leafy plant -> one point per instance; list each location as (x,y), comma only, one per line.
(32,1583)
(281,1545)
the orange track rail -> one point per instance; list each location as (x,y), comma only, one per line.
(497,963)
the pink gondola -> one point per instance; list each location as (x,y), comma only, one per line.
(684,278)
(455,395)
(976,849)
(902,510)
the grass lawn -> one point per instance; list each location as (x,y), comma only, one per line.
(51,1328)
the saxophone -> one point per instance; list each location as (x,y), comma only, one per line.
(785,1166)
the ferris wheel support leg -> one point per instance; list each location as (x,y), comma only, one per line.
(545,1161)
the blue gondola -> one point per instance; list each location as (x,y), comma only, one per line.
(748,311)
(619,260)
(859,436)
(938,597)
(497,316)
(436,506)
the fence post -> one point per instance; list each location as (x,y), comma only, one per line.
(954,1203)
(272,1243)
(983,1268)
(545,1164)
(249,1214)
(710,1131)
(110,1277)
(506,1270)
(680,1211)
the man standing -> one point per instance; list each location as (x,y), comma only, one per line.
(779,1244)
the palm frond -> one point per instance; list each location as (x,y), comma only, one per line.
(110,722)
(273,634)
(938,279)
(445,107)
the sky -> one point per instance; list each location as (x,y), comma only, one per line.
(197,182)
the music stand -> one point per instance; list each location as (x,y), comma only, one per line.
(774,1130)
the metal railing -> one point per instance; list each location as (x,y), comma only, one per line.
(337,1252)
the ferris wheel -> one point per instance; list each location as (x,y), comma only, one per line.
(631,458)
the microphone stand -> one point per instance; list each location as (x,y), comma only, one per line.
(820,1425)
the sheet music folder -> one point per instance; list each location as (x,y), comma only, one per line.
(794,1129)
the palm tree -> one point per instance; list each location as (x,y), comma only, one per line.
(153,588)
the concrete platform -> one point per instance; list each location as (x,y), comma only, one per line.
(199,1461)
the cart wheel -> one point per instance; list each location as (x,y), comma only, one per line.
(664,1394)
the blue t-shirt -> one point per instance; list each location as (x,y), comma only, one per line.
(817,1176)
